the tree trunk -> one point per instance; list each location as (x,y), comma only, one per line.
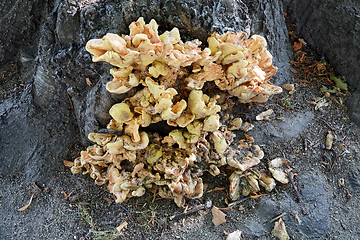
(332,28)
(47,108)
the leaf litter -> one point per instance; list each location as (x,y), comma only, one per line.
(27,205)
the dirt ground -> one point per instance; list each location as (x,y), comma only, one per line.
(328,181)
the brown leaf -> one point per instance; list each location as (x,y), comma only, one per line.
(289,87)
(68,163)
(218,216)
(297,46)
(27,205)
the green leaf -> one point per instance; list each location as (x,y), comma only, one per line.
(338,83)
(325,89)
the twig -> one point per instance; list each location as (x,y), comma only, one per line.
(238,201)
(333,163)
(327,124)
(276,218)
(207,204)
(71,104)
(291,177)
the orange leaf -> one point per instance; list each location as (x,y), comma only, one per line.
(297,46)
(250,139)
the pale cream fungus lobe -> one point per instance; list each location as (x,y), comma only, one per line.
(178,83)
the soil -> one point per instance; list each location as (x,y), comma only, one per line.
(67,206)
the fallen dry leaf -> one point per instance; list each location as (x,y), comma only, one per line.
(27,205)
(218,216)
(289,87)
(250,139)
(88,82)
(264,115)
(68,163)
(279,230)
(234,235)
(302,41)
(320,103)
(66,195)
(329,141)
(246,126)
(122,226)
(297,46)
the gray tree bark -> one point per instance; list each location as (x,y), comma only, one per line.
(332,28)
(42,42)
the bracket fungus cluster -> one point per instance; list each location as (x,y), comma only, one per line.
(170,79)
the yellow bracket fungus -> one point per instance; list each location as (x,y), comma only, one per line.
(173,79)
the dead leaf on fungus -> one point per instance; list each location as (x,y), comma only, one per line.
(27,205)
(218,216)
